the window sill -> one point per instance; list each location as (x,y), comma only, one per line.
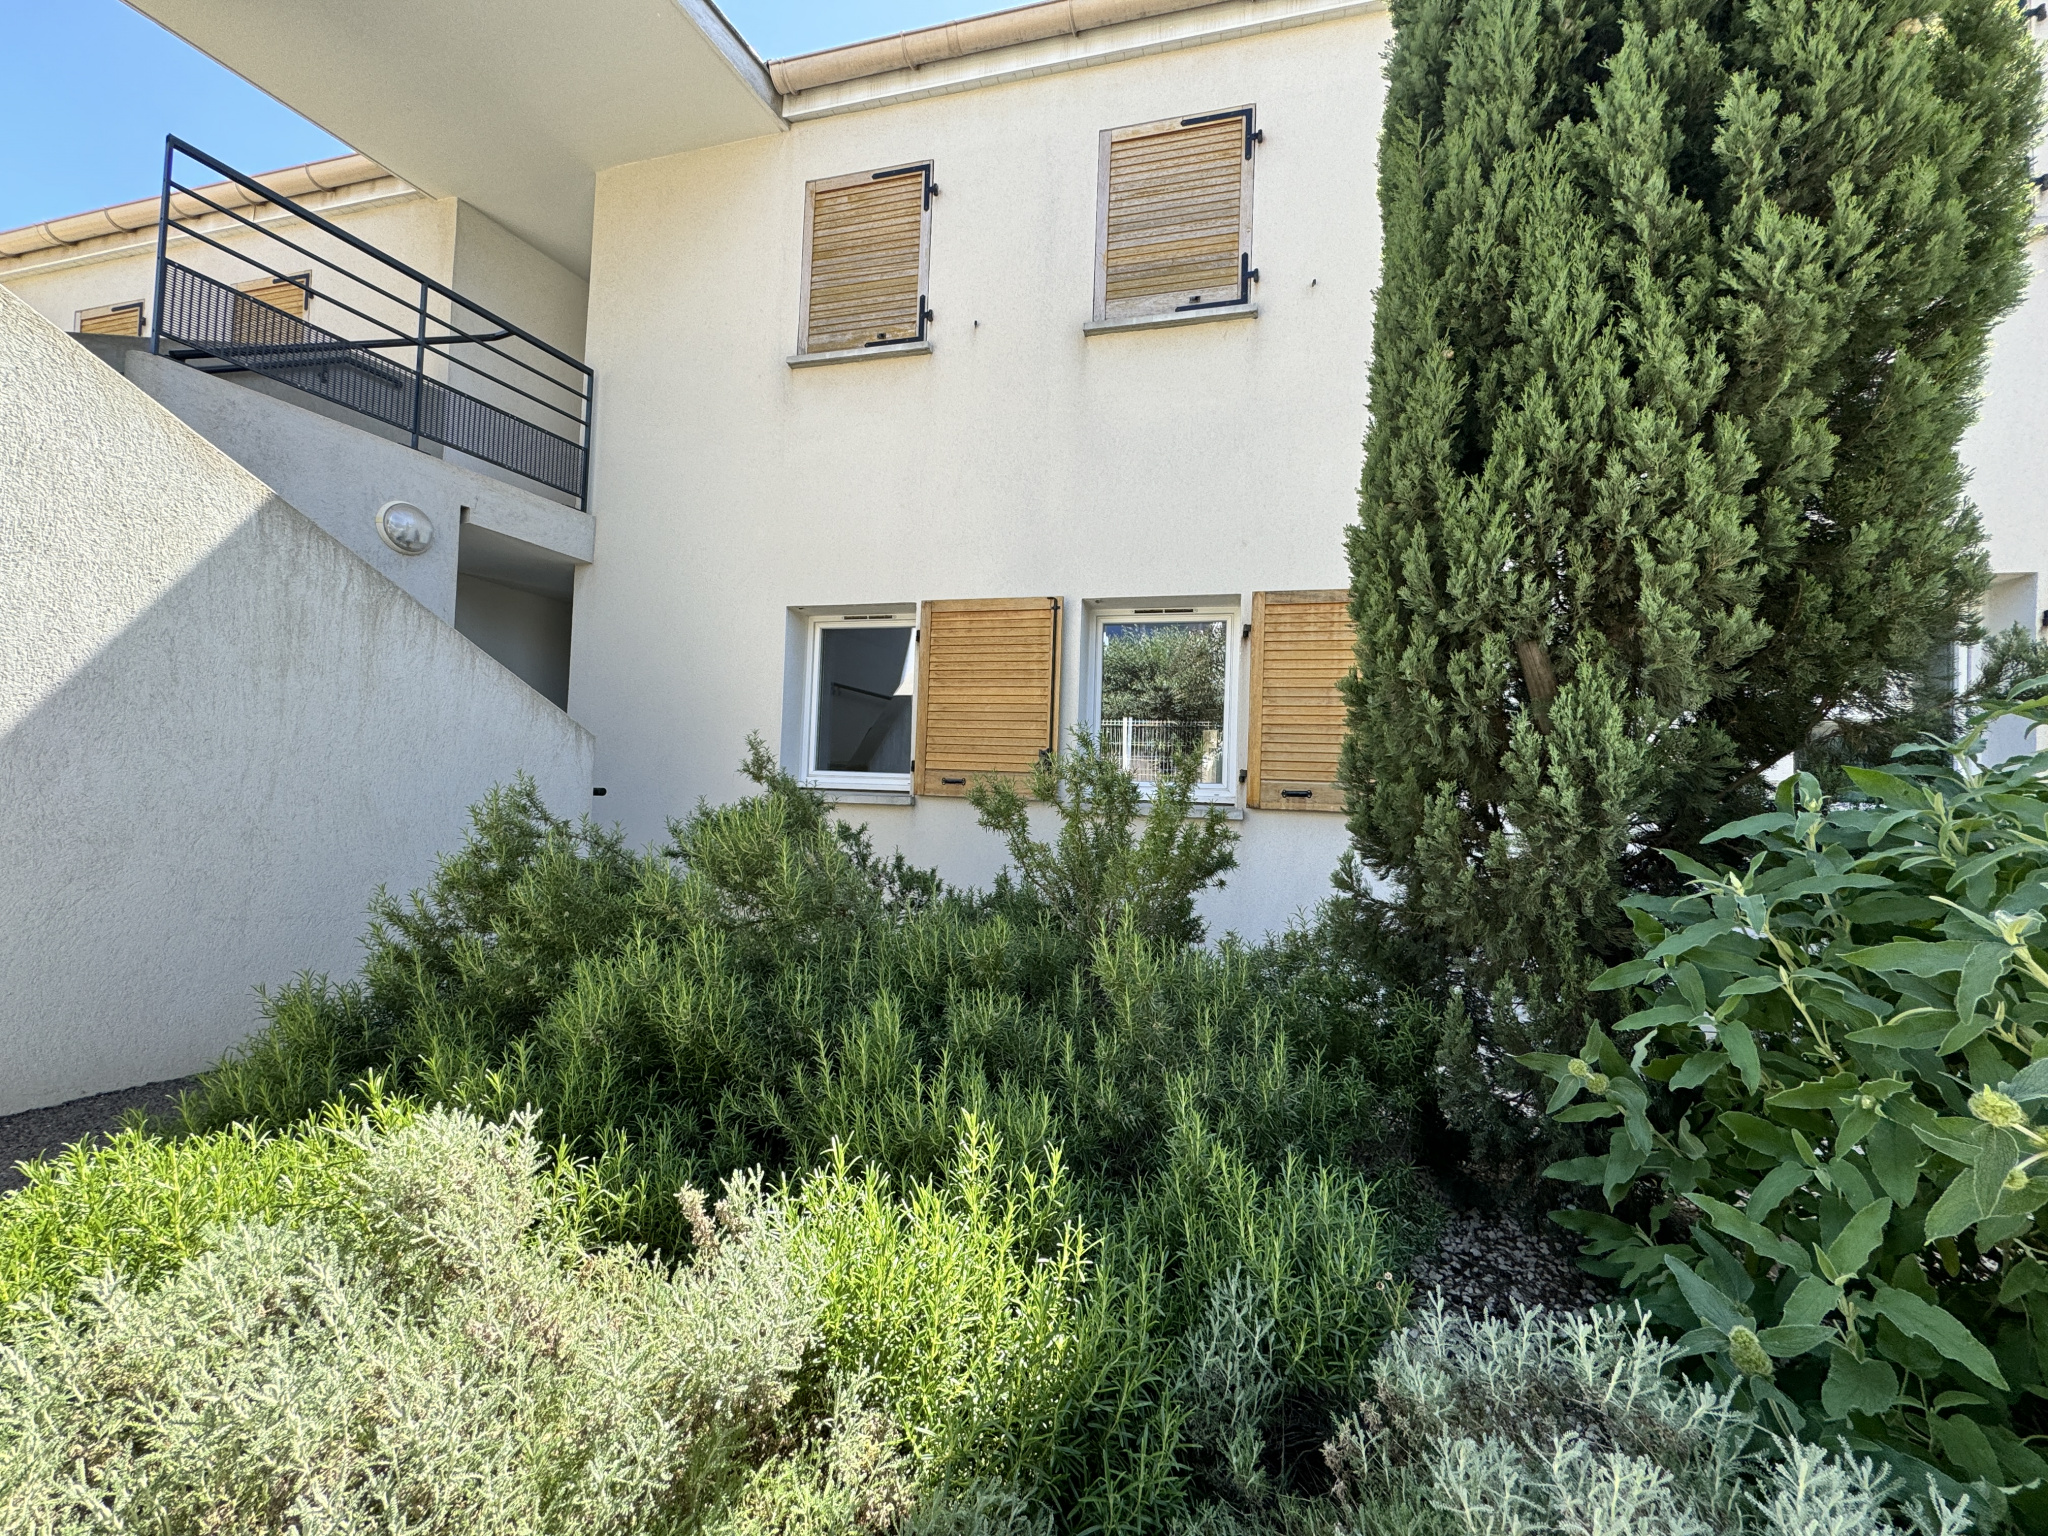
(864,796)
(858,354)
(1172,318)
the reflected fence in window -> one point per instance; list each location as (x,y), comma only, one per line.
(389,343)
(1148,748)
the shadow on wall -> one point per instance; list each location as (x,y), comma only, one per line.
(220,731)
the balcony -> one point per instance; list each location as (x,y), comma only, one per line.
(392,346)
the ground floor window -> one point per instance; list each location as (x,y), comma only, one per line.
(1164,681)
(862,700)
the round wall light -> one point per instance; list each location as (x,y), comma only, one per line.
(404,527)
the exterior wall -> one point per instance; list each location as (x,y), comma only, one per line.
(117,269)
(2007,450)
(339,476)
(220,731)
(526,631)
(504,273)
(2007,453)
(1020,458)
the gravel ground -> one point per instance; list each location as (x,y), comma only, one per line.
(1496,1265)
(34,1132)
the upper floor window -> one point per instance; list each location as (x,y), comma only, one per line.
(867,248)
(111,320)
(277,316)
(1173,223)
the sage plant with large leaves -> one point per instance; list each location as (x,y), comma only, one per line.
(1829,1115)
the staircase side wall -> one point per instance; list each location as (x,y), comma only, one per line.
(220,731)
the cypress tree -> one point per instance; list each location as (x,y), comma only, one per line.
(1682,310)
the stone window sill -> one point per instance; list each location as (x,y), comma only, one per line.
(1172,318)
(867,796)
(858,354)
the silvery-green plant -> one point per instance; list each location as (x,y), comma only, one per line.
(436,1357)
(1577,1425)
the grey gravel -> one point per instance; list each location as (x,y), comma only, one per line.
(39,1132)
(1495,1265)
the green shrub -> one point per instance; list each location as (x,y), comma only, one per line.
(1097,875)
(434,1354)
(958,1301)
(769,988)
(1578,1425)
(139,1207)
(1822,1133)
(956,1089)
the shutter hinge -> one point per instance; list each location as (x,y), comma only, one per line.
(1247,631)
(1243,774)
(1247,274)
(1251,135)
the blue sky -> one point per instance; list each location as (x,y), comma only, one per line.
(94,87)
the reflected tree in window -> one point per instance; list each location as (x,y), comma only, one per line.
(1162,695)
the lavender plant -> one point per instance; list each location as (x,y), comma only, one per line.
(1579,1425)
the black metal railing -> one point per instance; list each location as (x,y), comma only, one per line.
(522,404)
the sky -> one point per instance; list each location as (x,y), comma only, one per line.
(93,87)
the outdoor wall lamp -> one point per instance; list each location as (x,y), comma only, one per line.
(404,527)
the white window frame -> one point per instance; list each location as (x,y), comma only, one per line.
(1179,610)
(882,617)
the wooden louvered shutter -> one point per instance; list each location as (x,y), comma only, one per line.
(1301,645)
(287,294)
(1174,230)
(865,259)
(988,689)
(111,320)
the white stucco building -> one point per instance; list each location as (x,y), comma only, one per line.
(952,390)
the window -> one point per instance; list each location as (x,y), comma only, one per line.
(1164,679)
(277,318)
(1174,216)
(866,249)
(863,676)
(111,320)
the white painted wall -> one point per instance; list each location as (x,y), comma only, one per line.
(339,476)
(527,632)
(1020,458)
(2007,449)
(2007,453)
(220,730)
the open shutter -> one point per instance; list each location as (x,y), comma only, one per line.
(988,689)
(1174,230)
(111,320)
(864,259)
(1301,645)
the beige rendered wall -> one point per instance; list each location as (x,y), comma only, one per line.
(219,731)
(414,228)
(2007,454)
(527,631)
(1020,458)
(2007,449)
